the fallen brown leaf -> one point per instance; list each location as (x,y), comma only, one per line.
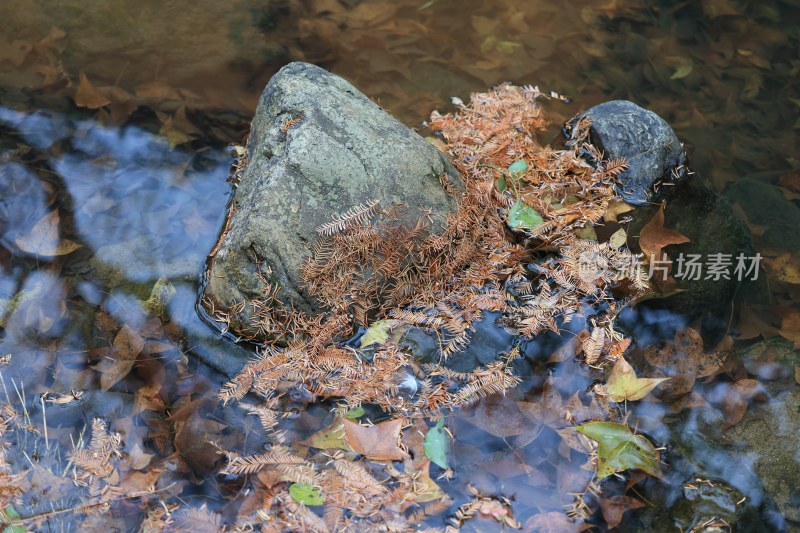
(615,506)
(118,363)
(500,416)
(89,97)
(654,236)
(379,442)
(738,396)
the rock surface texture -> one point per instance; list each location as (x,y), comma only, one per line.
(317,148)
(620,128)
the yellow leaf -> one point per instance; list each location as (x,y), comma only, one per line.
(682,71)
(425,489)
(615,209)
(624,385)
(43,238)
(378,332)
(618,239)
(331,437)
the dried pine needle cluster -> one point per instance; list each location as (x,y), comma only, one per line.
(367,267)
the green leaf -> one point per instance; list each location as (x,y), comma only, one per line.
(517,167)
(523,216)
(501,184)
(619,449)
(436,444)
(9,514)
(352,414)
(307,494)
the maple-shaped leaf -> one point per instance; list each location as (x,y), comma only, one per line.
(615,506)
(623,385)
(379,442)
(654,236)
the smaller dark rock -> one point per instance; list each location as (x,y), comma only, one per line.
(620,128)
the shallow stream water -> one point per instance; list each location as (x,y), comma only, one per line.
(115,120)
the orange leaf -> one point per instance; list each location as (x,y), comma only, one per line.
(89,97)
(379,442)
(655,236)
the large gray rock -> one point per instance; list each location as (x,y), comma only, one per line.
(620,128)
(339,150)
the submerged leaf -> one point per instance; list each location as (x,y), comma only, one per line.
(655,236)
(128,344)
(10,514)
(618,239)
(615,506)
(43,238)
(522,216)
(329,437)
(436,444)
(624,385)
(619,449)
(89,97)
(379,442)
(306,494)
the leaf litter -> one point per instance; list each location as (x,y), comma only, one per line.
(496,58)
